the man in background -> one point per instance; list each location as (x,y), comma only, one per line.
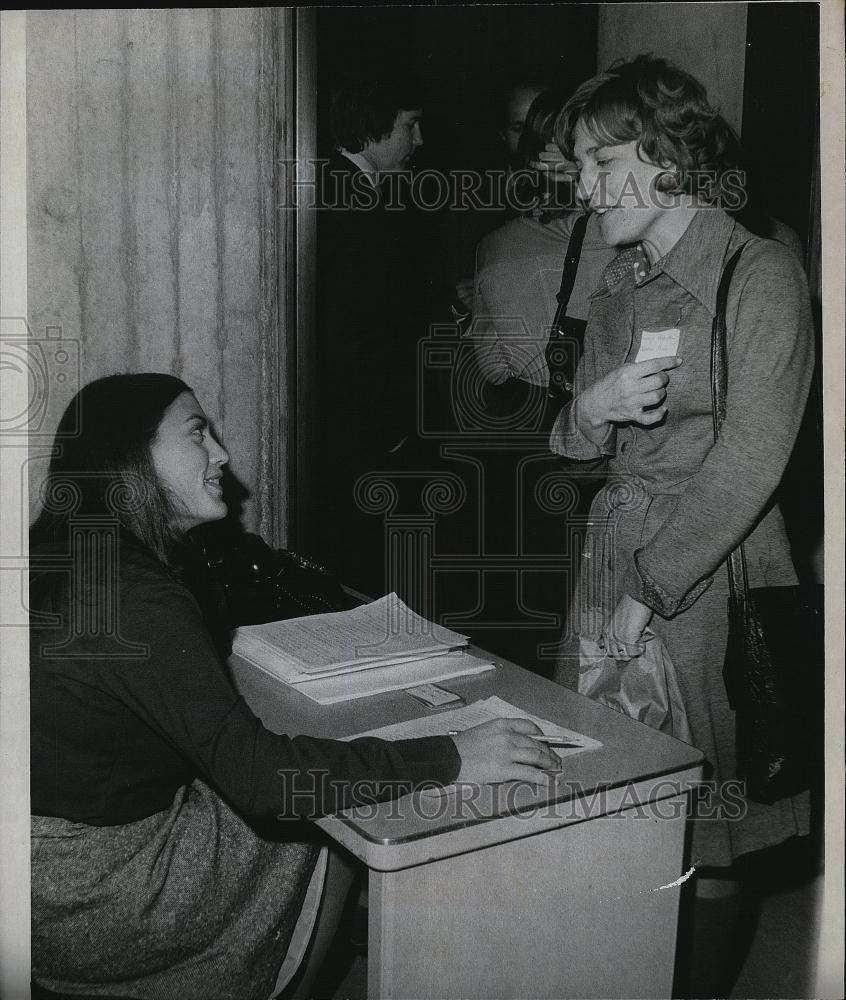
(372,309)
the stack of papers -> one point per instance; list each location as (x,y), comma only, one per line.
(381,646)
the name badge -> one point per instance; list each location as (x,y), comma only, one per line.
(658,344)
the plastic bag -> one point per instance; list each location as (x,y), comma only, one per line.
(645,688)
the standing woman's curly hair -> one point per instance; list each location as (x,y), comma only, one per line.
(102,465)
(667,112)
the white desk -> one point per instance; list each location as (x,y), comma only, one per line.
(563,892)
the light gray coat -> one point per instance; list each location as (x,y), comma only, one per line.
(676,503)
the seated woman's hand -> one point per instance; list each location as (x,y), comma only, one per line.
(632,393)
(503,750)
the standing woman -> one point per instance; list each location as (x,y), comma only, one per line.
(167,860)
(652,157)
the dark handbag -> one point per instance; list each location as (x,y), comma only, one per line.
(521,403)
(773,670)
(247,582)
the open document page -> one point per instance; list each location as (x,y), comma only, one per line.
(382,632)
(474,714)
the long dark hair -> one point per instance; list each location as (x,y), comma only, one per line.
(102,466)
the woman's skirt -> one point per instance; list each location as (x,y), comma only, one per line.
(187,903)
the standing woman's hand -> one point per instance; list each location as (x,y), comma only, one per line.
(623,637)
(631,393)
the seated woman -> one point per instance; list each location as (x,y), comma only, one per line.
(147,767)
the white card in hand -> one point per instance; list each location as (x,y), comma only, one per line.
(658,344)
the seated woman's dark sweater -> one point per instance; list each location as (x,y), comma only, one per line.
(126,714)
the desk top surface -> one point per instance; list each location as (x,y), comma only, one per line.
(631,753)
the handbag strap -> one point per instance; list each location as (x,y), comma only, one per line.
(559,377)
(736,561)
(719,348)
(571,266)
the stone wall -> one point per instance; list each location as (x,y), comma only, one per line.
(151,215)
(706,39)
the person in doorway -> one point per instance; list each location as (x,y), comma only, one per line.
(473,226)
(373,305)
(514,110)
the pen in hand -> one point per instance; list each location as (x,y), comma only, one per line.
(550,741)
(556,741)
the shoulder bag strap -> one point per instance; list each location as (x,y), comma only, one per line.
(736,562)
(566,336)
(571,266)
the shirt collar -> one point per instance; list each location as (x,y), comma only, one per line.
(695,262)
(363,164)
(631,262)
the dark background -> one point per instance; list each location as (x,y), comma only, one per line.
(469,55)
(466,56)
(781,108)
